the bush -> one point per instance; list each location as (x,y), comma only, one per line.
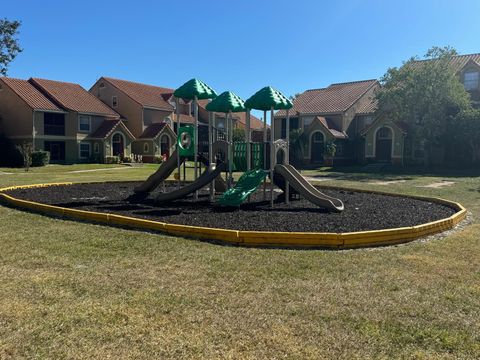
(112,160)
(40,158)
(127,159)
(10,156)
(157,159)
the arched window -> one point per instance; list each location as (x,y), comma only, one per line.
(146,148)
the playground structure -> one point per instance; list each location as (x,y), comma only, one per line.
(282,174)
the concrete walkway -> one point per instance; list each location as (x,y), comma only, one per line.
(103,169)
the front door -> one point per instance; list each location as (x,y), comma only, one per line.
(56,149)
(118,147)
(316,152)
(383,145)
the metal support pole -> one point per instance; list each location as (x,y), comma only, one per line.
(248,140)
(195,148)
(287,156)
(272,154)
(210,154)
(264,153)
(228,117)
(177,112)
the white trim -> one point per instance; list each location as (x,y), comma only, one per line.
(146,147)
(80,150)
(89,117)
(375,140)
(96,147)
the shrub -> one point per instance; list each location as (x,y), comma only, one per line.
(40,158)
(157,159)
(95,159)
(112,160)
(127,159)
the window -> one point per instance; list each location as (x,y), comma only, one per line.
(84,150)
(384,133)
(84,123)
(339,149)
(114,101)
(54,124)
(96,148)
(317,137)
(102,86)
(146,148)
(470,80)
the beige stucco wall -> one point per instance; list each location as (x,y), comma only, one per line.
(16,115)
(397,141)
(127,108)
(152,116)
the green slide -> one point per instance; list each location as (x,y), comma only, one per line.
(245,186)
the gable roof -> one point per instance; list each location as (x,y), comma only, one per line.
(328,125)
(155,129)
(335,98)
(30,95)
(72,97)
(145,95)
(108,127)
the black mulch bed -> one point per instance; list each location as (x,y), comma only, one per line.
(363,211)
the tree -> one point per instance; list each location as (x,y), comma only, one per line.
(297,146)
(424,94)
(9,46)
(465,135)
(26,149)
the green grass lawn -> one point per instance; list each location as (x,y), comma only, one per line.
(76,290)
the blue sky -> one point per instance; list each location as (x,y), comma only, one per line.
(234,45)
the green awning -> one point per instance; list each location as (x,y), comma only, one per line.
(268,97)
(195,87)
(225,102)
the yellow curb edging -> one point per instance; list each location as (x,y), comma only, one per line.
(257,238)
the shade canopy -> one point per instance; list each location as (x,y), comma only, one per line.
(225,102)
(195,87)
(268,97)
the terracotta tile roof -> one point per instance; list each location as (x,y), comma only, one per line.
(73,97)
(145,95)
(108,127)
(333,99)
(459,61)
(185,119)
(31,95)
(255,123)
(369,107)
(152,131)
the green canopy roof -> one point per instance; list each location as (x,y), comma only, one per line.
(195,87)
(266,98)
(225,102)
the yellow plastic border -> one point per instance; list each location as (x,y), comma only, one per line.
(257,238)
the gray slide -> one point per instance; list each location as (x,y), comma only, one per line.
(307,190)
(206,178)
(160,175)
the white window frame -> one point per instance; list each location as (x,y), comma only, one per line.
(96,148)
(474,83)
(80,150)
(89,123)
(114,101)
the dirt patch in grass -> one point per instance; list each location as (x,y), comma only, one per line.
(363,211)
